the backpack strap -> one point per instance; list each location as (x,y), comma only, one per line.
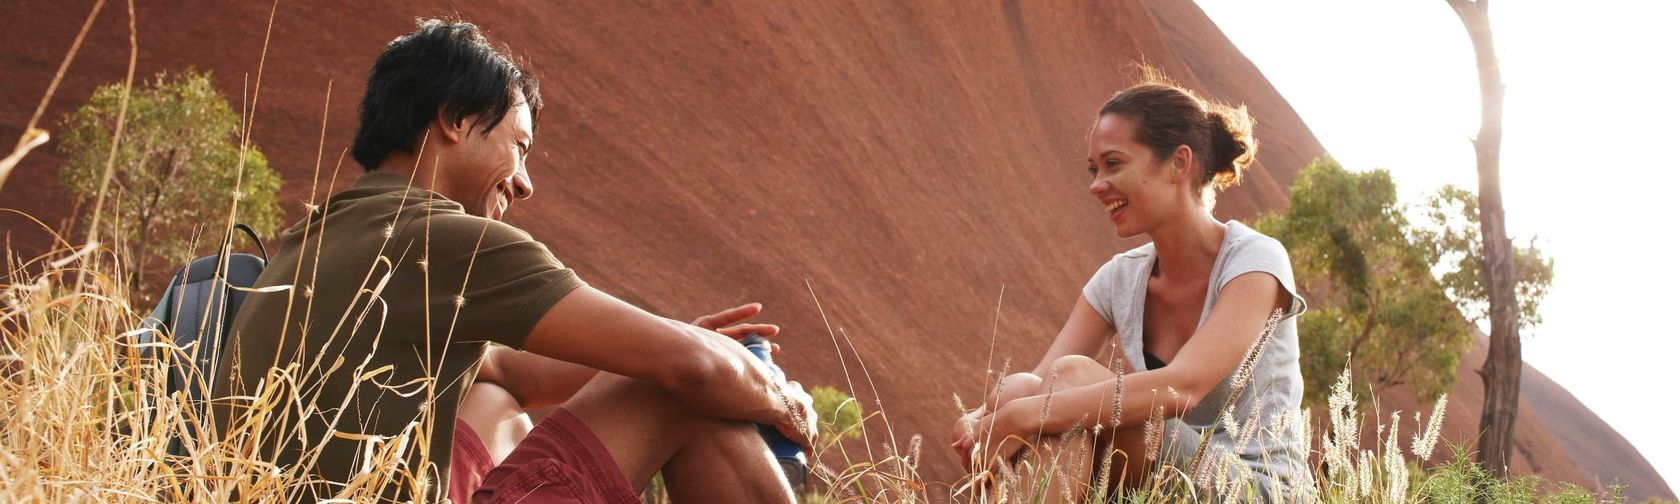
(254,239)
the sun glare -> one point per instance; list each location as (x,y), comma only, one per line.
(1587,116)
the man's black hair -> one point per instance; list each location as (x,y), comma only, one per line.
(441,64)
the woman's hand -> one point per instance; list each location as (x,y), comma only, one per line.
(996,438)
(963,430)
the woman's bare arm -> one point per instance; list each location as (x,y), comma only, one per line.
(1210,355)
(1082,334)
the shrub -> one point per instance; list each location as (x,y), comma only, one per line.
(175,175)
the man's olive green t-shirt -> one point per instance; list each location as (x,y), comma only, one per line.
(395,293)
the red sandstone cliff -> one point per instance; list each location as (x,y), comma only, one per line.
(907,160)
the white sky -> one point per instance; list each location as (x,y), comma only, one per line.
(1589,161)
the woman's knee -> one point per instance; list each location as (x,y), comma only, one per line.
(1074,371)
(1018,385)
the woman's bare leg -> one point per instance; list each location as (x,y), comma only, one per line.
(1009,388)
(1074,461)
(1129,458)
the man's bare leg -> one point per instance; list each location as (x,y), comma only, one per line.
(512,392)
(494,414)
(645,429)
(704,459)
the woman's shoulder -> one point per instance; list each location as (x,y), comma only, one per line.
(1138,253)
(1248,250)
(1112,287)
(1246,242)
(1125,262)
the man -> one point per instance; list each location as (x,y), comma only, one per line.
(378,355)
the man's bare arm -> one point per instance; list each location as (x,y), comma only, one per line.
(708,371)
(533,380)
(537,382)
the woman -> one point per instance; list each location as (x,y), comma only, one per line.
(1185,308)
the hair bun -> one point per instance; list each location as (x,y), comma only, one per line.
(1231,144)
(1169,117)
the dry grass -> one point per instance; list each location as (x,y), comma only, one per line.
(84,402)
(87,420)
(88,415)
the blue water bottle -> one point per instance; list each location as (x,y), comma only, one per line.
(787,452)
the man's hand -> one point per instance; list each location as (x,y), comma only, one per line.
(729,322)
(706,370)
(800,424)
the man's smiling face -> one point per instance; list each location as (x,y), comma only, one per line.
(486,171)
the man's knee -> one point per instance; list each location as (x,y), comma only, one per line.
(487,403)
(610,395)
(726,430)
(624,388)
(495,416)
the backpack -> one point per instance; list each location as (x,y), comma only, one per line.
(196,311)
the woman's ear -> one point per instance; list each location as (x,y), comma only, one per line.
(1183,162)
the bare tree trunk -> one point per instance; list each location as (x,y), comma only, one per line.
(1502,373)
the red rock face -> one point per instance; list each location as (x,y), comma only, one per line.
(908,162)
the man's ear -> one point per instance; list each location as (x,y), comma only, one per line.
(450,131)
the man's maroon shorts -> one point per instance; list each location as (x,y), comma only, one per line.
(560,461)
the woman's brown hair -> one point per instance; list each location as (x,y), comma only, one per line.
(1221,137)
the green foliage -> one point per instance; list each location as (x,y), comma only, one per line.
(1454,239)
(1354,255)
(1462,480)
(175,169)
(838,414)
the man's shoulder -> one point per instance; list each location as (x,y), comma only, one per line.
(441,220)
(385,212)
(403,213)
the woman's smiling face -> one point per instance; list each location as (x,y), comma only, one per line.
(1126,178)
